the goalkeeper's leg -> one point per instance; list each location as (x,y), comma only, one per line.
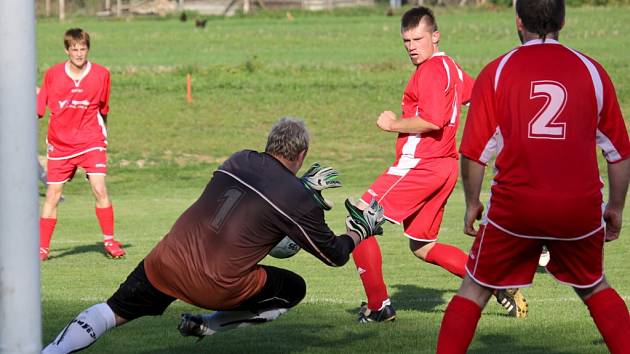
(282,291)
(83,330)
(136,297)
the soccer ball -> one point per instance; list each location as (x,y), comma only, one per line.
(285,248)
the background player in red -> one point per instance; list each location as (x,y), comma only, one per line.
(77,94)
(414,191)
(542,109)
(210,256)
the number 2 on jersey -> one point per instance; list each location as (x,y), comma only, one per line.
(543,125)
(228,201)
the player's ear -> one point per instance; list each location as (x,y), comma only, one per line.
(519,24)
(435,37)
(301,157)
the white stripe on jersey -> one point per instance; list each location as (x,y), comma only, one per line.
(407,160)
(500,67)
(448,75)
(493,147)
(101,123)
(597,81)
(610,152)
(403,166)
(283,213)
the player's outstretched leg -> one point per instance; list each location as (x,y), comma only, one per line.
(83,330)
(206,325)
(367,257)
(446,256)
(283,290)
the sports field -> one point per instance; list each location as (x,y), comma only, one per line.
(338,71)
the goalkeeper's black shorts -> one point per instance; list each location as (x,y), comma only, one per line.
(137,297)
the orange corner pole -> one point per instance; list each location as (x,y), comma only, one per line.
(188,88)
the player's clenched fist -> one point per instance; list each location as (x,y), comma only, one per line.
(385,120)
(473,212)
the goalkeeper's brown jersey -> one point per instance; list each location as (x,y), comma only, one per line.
(210,256)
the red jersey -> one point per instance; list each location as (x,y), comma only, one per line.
(76,124)
(542,109)
(435,93)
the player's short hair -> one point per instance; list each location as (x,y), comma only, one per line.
(76,36)
(541,16)
(288,138)
(412,18)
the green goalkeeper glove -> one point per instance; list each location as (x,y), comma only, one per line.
(318,178)
(365,222)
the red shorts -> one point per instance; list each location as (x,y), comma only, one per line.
(94,162)
(500,260)
(417,198)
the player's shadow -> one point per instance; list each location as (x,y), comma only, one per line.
(413,297)
(96,247)
(496,343)
(306,337)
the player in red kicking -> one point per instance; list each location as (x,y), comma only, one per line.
(77,94)
(414,191)
(542,109)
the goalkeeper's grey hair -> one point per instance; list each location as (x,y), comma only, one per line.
(288,138)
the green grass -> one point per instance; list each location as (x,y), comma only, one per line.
(337,70)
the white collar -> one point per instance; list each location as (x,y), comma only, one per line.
(540,41)
(83,74)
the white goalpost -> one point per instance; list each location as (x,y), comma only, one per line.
(20,307)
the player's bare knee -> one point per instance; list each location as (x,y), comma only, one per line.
(53,193)
(420,249)
(100,194)
(586,293)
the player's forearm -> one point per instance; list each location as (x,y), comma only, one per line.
(414,125)
(618,178)
(472,179)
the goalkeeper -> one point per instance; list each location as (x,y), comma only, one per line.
(210,256)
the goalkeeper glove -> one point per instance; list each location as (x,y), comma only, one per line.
(365,222)
(318,178)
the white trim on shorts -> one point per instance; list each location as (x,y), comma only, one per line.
(100,148)
(575,285)
(420,239)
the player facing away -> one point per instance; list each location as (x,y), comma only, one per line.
(414,191)
(542,109)
(210,256)
(77,94)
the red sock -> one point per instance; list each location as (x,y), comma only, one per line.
(367,257)
(46,228)
(448,257)
(612,319)
(105,218)
(458,326)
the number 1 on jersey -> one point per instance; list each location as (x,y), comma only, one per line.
(228,200)
(543,125)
